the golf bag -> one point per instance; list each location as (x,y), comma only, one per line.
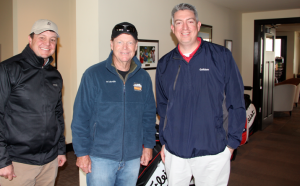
(250,116)
(249,127)
(154,174)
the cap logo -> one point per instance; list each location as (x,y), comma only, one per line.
(48,23)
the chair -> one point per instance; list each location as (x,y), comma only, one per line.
(283,97)
(293,81)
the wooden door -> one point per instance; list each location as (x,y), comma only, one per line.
(268,75)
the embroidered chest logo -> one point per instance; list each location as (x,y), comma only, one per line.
(55,85)
(137,87)
(203,69)
(111,81)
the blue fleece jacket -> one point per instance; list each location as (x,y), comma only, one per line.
(113,118)
(200,103)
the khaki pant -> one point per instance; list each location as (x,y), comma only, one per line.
(32,175)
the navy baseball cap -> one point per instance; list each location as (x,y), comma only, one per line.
(124,28)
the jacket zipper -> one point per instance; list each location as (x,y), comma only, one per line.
(123,124)
(176,77)
(45,117)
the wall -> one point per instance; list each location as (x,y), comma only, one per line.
(63,14)
(152,20)
(248,38)
(297,53)
(290,53)
(6,32)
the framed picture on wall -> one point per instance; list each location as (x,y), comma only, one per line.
(228,44)
(205,32)
(147,53)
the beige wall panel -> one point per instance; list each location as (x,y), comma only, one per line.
(63,14)
(6,31)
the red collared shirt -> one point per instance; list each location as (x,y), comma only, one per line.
(192,54)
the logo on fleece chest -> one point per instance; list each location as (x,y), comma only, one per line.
(137,87)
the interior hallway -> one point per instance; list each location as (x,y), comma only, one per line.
(270,158)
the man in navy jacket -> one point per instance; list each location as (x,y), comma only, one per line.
(200,102)
(114,115)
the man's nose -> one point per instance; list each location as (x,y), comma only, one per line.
(47,42)
(185,25)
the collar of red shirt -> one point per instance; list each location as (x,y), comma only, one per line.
(192,54)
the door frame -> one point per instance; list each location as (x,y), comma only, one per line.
(257,96)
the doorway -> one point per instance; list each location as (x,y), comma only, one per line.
(262,92)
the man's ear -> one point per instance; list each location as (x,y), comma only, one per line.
(172,28)
(111,45)
(136,45)
(198,25)
(29,40)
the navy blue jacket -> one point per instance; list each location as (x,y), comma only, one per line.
(200,103)
(113,119)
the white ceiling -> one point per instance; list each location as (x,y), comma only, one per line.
(257,5)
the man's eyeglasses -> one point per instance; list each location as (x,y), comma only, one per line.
(125,28)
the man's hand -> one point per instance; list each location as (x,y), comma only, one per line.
(162,153)
(231,150)
(61,160)
(84,162)
(8,172)
(146,156)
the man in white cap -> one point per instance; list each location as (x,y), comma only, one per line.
(32,142)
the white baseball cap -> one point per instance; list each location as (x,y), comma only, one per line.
(43,25)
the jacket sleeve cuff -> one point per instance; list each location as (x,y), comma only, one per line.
(149,143)
(61,148)
(149,146)
(233,144)
(80,154)
(162,141)
(5,164)
(230,147)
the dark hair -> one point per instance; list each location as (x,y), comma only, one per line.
(184,6)
(31,35)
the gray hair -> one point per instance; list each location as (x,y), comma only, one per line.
(184,6)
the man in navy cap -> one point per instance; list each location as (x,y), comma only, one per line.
(114,115)
(32,142)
